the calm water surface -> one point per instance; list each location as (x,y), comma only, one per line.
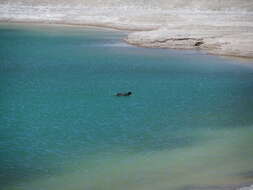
(188,124)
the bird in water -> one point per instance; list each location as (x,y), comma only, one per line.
(124,94)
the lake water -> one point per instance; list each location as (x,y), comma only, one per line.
(188,124)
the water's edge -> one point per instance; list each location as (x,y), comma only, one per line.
(127,31)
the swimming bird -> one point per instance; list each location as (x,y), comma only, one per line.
(124,94)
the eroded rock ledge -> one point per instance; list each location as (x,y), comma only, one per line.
(215,41)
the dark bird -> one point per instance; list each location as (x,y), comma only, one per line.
(124,94)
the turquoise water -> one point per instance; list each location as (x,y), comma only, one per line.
(188,124)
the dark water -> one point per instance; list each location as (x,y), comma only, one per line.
(61,127)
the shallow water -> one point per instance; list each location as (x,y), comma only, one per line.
(188,124)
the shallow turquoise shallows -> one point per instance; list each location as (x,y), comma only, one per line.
(188,124)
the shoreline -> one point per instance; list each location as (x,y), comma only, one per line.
(125,40)
(59,24)
(221,32)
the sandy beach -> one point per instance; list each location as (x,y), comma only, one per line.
(221,29)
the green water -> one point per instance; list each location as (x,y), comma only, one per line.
(188,124)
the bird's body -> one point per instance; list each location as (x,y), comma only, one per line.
(124,94)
